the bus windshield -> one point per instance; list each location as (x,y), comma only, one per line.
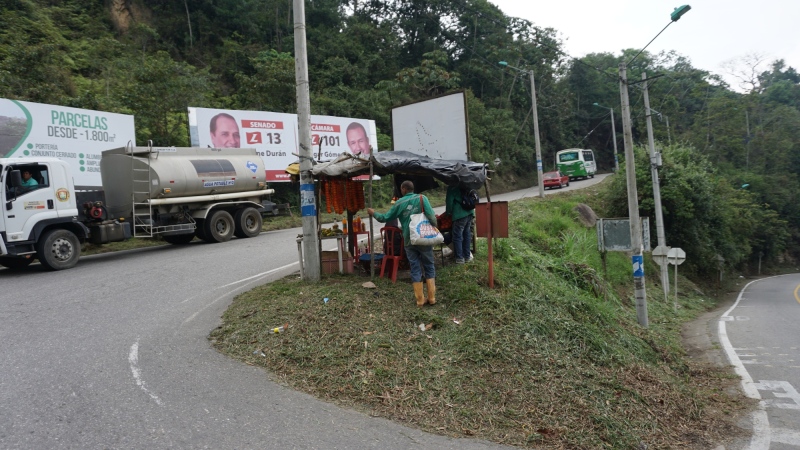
(567,157)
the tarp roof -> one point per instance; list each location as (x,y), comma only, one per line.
(467,174)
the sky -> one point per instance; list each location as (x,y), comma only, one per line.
(710,34)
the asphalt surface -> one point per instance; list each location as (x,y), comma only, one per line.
(114,354)
(760,336)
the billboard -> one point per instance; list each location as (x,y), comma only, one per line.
(436,128)
(77,136)
(275,135)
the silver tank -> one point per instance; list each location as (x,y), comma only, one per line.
(166,172)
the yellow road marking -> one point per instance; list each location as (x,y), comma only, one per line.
(796,295)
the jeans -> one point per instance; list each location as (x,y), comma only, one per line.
(462,237)
(420,258)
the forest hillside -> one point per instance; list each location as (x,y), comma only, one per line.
(731,159)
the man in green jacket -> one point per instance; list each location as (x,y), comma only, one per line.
(462,225)
(420,257)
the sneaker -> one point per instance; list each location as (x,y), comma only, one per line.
(459,260)
(471,258)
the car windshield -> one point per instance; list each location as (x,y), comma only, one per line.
(551,175)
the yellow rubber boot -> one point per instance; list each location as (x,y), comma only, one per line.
(431,282)
(418,293)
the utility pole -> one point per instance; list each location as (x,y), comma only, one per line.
(637,258)
(535,126)
(539,171)
(308,202)
(747,144)
(614,136)
(654,163)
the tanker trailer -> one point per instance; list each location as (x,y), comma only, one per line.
(182,192)
(177,193)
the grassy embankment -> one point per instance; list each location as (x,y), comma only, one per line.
(551,357)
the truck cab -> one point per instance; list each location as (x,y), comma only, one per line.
(38,199)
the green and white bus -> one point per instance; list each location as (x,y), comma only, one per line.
(576,163)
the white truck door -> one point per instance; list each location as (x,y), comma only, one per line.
(30,204)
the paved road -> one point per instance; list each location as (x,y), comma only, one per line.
(114,354)
(762,340)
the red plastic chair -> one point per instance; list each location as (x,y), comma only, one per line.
(393,251)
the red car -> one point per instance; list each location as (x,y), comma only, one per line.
(555,179)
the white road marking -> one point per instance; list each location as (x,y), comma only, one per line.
(775,387)
(785,436)
(269,272)
(249,280)
(761,431)
(133,360)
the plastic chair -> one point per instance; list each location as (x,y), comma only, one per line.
(393,251)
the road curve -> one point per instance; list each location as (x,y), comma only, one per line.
(114,354)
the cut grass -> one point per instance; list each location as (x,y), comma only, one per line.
(548,358)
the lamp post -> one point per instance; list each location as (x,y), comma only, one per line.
(614,133)
(540,175)
(637,258)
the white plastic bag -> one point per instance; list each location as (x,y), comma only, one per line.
(422,230)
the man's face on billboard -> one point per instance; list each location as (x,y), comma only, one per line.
(226,135)
(357,141)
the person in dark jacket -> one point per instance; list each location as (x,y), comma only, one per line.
(462,225)
(420,257)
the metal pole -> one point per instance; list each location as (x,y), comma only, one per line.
(669,138)
(662,240)
(676,286)
(307,196)
(536,137)
(747,144)
(614,136)
(637,259)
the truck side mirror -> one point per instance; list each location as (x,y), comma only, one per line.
(16,178)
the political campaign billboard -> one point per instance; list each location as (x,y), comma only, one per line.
(275,136)
(77,136)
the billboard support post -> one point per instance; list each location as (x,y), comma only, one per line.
(307,195)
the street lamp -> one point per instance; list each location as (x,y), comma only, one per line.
(637,259)
(614,133)
(540,175)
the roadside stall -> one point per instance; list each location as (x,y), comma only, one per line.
(341,186)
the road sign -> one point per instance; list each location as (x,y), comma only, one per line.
(638,265)
(676,256)
(614,235)
(660,254)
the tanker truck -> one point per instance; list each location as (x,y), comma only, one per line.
(173,192)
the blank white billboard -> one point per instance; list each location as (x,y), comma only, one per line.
(436,128)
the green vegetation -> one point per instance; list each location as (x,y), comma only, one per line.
(154,59)
(552,357)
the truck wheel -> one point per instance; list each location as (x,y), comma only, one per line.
(219,227)
(178,239)
(16,263)
(58,249)
(248,223)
